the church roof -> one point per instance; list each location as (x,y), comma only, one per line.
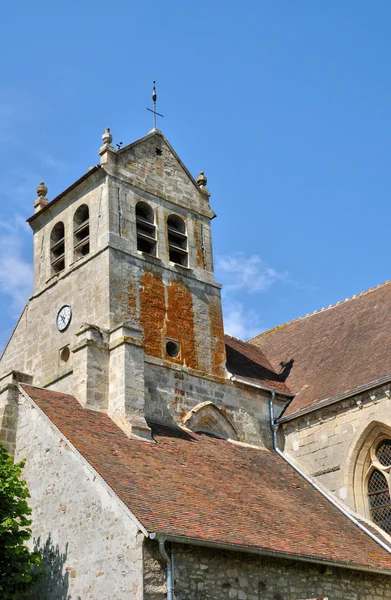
(333,351)
(250,364)
(212,490)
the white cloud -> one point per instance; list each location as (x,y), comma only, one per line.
(248,274)
(239,321)
(242,275)
(16,273)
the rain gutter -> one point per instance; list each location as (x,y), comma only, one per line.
(178,539)
(259,387)
(328,401)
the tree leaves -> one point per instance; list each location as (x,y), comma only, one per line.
(20,568)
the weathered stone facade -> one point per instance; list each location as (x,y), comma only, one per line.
(212,574)
(126,303)
(91,546)
(332,443)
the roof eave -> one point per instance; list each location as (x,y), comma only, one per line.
(65,192)
(334,399)
(178,539)
(260,386)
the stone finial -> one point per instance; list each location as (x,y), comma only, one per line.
(106,151)
(42,190)
(202,180)
(41,201)
(107,138)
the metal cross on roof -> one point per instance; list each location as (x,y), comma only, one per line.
(154,98)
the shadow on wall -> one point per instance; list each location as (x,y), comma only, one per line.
(55,583)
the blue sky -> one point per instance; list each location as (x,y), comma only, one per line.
(285,106)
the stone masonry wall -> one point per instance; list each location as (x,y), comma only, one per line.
(208,574)
(90,544)
(327,443)
(36,344)
(84,284)
(171,393)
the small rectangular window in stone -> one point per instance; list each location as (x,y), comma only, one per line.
(177,240)
(146,228)
(81,232)
(57,248)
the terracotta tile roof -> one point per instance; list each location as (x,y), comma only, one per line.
(335,350)
(248,362)
(210,489)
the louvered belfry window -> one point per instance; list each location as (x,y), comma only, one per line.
(146,228)
(57,248)
(81,231)
(177,240)
(379,485)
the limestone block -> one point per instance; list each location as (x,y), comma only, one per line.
(91,368)
(126,380)
(9,406)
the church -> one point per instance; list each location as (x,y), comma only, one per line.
(166,460)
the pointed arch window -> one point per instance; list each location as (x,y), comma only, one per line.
(57,247)
(81,231)
(207,418)
(378,486)
(177,240)
(146,228)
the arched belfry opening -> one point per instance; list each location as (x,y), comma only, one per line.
(81,231)
(177,240)
(207,418)
(57,248)
(146,228)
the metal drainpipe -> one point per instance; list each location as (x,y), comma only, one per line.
(274,428)
(170,569)
(273,425)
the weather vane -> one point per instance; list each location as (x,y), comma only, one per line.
(154,98)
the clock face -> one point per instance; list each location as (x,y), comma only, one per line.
(64,317)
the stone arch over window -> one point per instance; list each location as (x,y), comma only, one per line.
(146,228)
(81,231)
(57,248)
(177,240)
(207,418)
(369,474)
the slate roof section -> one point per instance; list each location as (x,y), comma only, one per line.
(212,490)
(333,351)
(250,364)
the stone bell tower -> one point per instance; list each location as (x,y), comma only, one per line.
(123,277)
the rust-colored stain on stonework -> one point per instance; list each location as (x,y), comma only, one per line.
(217,338)
(180,322)
(152,313)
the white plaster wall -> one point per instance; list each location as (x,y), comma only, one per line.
(93,548)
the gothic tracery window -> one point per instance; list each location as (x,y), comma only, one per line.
(379,482)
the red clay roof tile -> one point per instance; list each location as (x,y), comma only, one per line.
(250,363)
(333,351)
(199,487)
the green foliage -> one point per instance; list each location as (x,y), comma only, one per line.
(19,567)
